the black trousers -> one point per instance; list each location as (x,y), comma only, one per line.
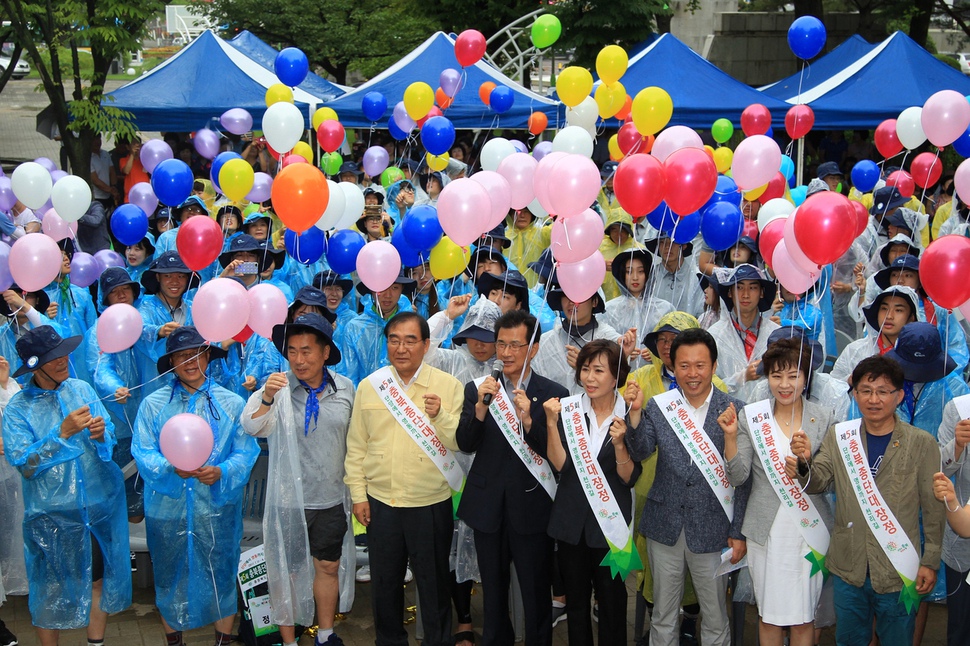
(582,574)
(958,603)
(423,535)
(532,556)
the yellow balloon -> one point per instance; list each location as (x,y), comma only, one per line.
(573,85)
(447,259)
(437,162)
(278,93)
(755,193)
(615,153)
(610,99)
(723,157)
(651,110)
(236,179)
(418,100)
(321,115)
(611,63)
(304,150)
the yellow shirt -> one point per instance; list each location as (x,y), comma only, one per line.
(383,461)
(527,245)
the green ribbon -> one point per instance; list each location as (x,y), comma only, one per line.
(908,596)
(817,559)
(456,498)
(622,561)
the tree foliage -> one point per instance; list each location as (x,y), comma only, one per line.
(487,16)
(590,25)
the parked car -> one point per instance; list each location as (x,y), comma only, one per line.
(22,68)
(964,63)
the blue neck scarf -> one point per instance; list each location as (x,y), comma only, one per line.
(671,377)
(312,403)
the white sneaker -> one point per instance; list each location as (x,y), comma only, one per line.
(408,576)
(363,574)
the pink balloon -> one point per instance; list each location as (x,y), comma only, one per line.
(261,190)
(463,210)
(520,171)
(945,116)
(756,160)
(294,159)
(580,280)
(576,238)
(961,181)
(186,441)
(803,262)
(118,328)
(573,185)
(56,228)
(35,261)
(790,275)
(267,308)
(675,138)
(540,181)
(142,195)
(220,309)
(379,264)
(499,194)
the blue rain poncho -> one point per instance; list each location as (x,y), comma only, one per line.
(256,356)
(154,314)
(75,316)
(363,347)
(194,530)
(11,330)
(13,569)
(930,401)
(73,492)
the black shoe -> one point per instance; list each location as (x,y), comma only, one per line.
(7,638)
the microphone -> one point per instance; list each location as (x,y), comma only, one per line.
(497,369)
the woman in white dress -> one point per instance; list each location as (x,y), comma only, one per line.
(786,588)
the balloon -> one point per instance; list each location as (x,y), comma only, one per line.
(291,67)
(330,135)
(108,258)
(903,181)
(216,168)
(402,118)
(262,188)
(6,280)
(926,168)
(942,270)
(787,167)
(236,178)
(577,237)
(418,99)
(300,195)
(85,269)
(799,121)
(220,309)
(722,130)
(775,189)
(35,261)
(675,138)
(237,121)
(267,308)
(886,140)
(186,441)
(420,227)
(463,209)
(756,160)
(378,265)
(330,163)
(630,141)
(546,30)
(485,91)
(501,99)
(574,140)
(824,227)
(142,196)
(519,171)
(573,85)
(119,327)
(438,135)
(342,249)
(499,193)
(611,63)
(861,217)
(789,274)
(390,175)
(945,117)
(770,236)
(493,152)
(755,120)
(469,47)
(304,150)
(580,280)
(306,248)
(373,105)
(961,181)
(375,160)
(806,37)
(721,225)
(130,224)
(614,147)
(725,190)
(450,82)
(71,197)
(794,248)
(651,110)
(46,163)
(443,100)
(798,194)
(723,158)
(437,162)
(541,149)
(282,126)
(691,179)
(278,93)
(56,228)
(32,185)
(322,114)
(153,152)
(172,182)
(574,185)
(199,242)
(865,175)
(8,199)
(336,205)
(292,158)
(627,108)
(410,257)
(609,99)
(447,259)
(537,123)
(909,128)
(541,179)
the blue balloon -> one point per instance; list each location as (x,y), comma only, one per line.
(172,182)
(798,194)
(307,247)
(722,225)
(421,228)
(129,224)
(771,133)
(410,257)
(374,105)
(291,66)
(395,130)
(217,165)
(438,135)
(501,99)
(342,249)
(725,191)
(865,174)
(787,167)
(806,37)
(660,217)
(962,144)
(688,228)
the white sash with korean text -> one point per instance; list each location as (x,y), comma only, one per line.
(766,437)
(503,413)
(699,447)
(598,493)
(414,422)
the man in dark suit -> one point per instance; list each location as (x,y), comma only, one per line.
(683,520)
(507,503)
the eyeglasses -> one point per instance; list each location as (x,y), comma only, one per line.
(409,344)
(372,218)
(515,346)
(409,189)
(333,290)
(866,393)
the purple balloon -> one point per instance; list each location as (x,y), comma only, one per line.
(401,118)
(206,143)
(143,196)
(6,280)
(85,269)
(108,258)
(42,211)
(46,163)
(7,198)
(237,121)
(2,174)
(519,146)
(542,149)
(262,188)
(153,153)
(375,160)
(450,81)
(58,174)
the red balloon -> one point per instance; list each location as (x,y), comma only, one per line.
(886,139)
(861,217)
(469,47)
(903,181)
(926,169)
(824,227)
(330,134)
(771,235)
(243,336)
(750,229)
(755,120)
(630,141)
(272,153)
(799,121)
(943,270)
(433,112)
(199,242)
(776,188)
(640,182)
(691,180)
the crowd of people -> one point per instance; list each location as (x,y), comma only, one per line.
(687,420)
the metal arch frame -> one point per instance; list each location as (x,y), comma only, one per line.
(518,59)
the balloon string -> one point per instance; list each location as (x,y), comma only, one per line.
(142,385)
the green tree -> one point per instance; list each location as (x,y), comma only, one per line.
(590,25)
(487,16)
(7,35)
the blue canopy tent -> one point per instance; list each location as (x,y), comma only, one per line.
(822,69)
(426,63)
(257,49)
(194,87)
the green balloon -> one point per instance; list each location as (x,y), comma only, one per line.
(390,175)
(722,130)
(546,31)
(330,163)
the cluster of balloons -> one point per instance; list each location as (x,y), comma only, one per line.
(223,309)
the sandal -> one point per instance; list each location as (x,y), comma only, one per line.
(465,636)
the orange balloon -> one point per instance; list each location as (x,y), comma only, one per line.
(300,195)
(647,144)
(484,90)
(538,122)
(624,112)
(443,100)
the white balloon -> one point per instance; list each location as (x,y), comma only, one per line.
(583,115)
(574,140)
(776,209)
(494,151)
(32,184)
(909,128)
(71,197)
(283,126)
(335,206)
(353,205)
